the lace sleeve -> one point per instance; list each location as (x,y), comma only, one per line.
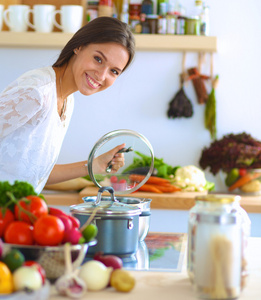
(18,105)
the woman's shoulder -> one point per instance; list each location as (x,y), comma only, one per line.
(37,77)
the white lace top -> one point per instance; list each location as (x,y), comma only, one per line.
(31,130)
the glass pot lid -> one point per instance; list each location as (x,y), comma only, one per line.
(137,149)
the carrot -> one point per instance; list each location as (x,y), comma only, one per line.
(151,180)
(168,189)
(150,188)
(243,180)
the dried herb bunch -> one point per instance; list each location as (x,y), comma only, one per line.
(232,151)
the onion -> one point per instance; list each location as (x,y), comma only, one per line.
(27,277)
(109,260)
(95,274)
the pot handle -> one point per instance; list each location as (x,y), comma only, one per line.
(101,190)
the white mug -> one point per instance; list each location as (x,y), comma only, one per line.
(1,16)
(15,17)
(71,18)
(42,17)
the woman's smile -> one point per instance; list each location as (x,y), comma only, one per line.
(91,82)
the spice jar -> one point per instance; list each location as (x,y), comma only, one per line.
(192,25)
(217,246)
(153,23)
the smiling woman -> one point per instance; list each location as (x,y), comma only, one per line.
(35,109)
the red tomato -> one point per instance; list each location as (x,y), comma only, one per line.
(39,268)
(35,205)
(6,217)
(242,172)
(48,231)
(114,179)
(19,232)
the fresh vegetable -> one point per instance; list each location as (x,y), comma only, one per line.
(48,231)
(167,188)
(232,151)
(244,179)
(163,170)
(14,259)
(6,217)
(142,171)
(191,178)
(210,111)
(251,187)
(180,106)
(70,284)
(122,280)
(109,260)
(6,279)
(19,190)
(150,188)
(19,232)
(27,278)
(72,236)
(151,180)
(38,267)
(55,212)
(30,208)
(90,232)
(75,221)
(232,176)
(95,275)
(242,172)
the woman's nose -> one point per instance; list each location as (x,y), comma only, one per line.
(100,74)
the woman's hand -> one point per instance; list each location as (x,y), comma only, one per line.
(101,162)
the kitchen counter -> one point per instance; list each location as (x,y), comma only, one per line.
(170,201)
(171,285)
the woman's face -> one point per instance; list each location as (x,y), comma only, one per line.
(97,66)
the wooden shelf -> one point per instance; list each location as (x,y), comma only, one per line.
(144,42)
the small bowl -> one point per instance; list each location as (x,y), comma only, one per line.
(251,187)
(51,258)
(41,294)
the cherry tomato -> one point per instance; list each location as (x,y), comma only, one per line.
(242,172)
(114,179)
(19,232)
(48,231)
(39,268)
(6,217)
(35,205)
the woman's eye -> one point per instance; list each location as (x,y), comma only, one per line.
(115,72)
(98,59)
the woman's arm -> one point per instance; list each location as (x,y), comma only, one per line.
(65,172)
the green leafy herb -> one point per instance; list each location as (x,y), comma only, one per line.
(164,170)
(19,190)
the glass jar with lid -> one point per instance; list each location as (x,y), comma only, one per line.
(217,246)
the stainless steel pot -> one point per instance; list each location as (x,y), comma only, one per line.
(142,203)
(118,223)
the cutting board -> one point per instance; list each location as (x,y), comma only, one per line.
(176,200)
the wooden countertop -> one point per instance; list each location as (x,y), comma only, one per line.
(171,285)
(177,200)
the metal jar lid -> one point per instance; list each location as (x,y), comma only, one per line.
(219,198)
(137,146)
(105,207)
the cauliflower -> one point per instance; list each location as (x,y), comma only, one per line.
(190,178)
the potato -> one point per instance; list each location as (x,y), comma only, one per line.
(251,187)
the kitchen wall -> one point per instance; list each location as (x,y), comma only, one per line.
(139,99)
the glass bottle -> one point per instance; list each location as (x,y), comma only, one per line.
(125,12)
(217,246)
(204,21)
(147,7)
(162,21)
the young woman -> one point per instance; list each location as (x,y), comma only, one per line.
(35,110)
